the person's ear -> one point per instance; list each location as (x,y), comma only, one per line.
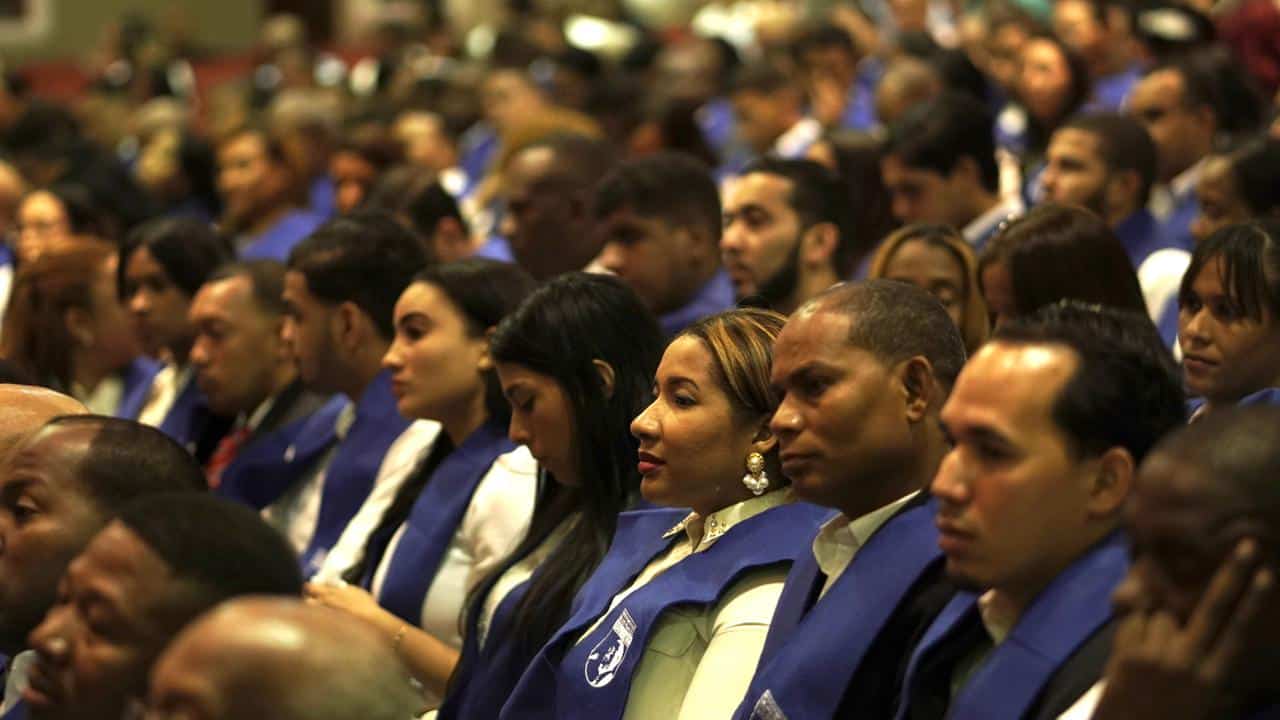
(819,244)
(765,441)
(919,387)
(1112,482)
(348,325)
(79,324)
(486,360)
(607,378)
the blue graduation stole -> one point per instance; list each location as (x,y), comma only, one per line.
(811,655)
(1270,396)
(485,676)
(434,520)
(592,678)
(351,474)
(264,469)
(17,712)
(1074,606)
(137,377)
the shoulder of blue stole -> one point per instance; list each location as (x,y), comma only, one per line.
(1061,618)
(266,465)
(17,712)
(814,646)
(1270,396)
(137,377)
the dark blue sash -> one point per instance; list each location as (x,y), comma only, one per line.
(17,712)
(137,377)
(1074,606)
(434,520)
(486,675)
(816,652)
(267,467)
(593,678)
(354,468)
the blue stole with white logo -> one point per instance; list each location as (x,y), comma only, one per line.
(1065,614)
(350,476)
(813,649)
(264,469)
(592,678)
(434,520)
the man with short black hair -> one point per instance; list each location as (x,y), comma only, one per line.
(1107,163)
(863,370)
(939,166)
(547,189)
(659,221)
(1049,421)
(161,563)
(59,485)
(340,289)
(1101,31)
(1175,102)
(281,659)
(247,373)
(787,235)
(768,107)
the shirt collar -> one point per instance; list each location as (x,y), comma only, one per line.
(1185,182)
(345,419)
(16,679)
(840,533)
(1007,208)
(794,142)
(998,615)
(703,532)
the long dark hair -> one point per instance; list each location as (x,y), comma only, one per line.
(1060,252)
(559,331)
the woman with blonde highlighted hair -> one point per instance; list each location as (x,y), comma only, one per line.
(937,259)
(673,621)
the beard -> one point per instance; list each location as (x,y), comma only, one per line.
(776,289)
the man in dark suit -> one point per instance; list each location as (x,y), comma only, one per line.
(1049,421)
(246,372)
(864,370)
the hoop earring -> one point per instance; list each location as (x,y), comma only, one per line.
(756,480)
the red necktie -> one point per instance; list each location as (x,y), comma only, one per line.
(222,456)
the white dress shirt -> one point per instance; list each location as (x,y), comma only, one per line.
(840,538)
(165,388)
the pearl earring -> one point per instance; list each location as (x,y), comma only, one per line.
(756,480)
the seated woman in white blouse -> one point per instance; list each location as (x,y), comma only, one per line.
(468,503)
(672,623)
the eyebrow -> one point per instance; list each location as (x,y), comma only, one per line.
(681,380)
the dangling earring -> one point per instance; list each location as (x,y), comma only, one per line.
(756,480)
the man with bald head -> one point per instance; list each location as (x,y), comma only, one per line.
(61,481)
(27,408)
(280,659)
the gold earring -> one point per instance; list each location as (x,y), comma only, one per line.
(756,480)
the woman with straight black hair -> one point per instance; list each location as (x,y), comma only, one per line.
(1229,318)
(1056,252)
(162,264)
(408,568)
(576,362)
(673,622)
